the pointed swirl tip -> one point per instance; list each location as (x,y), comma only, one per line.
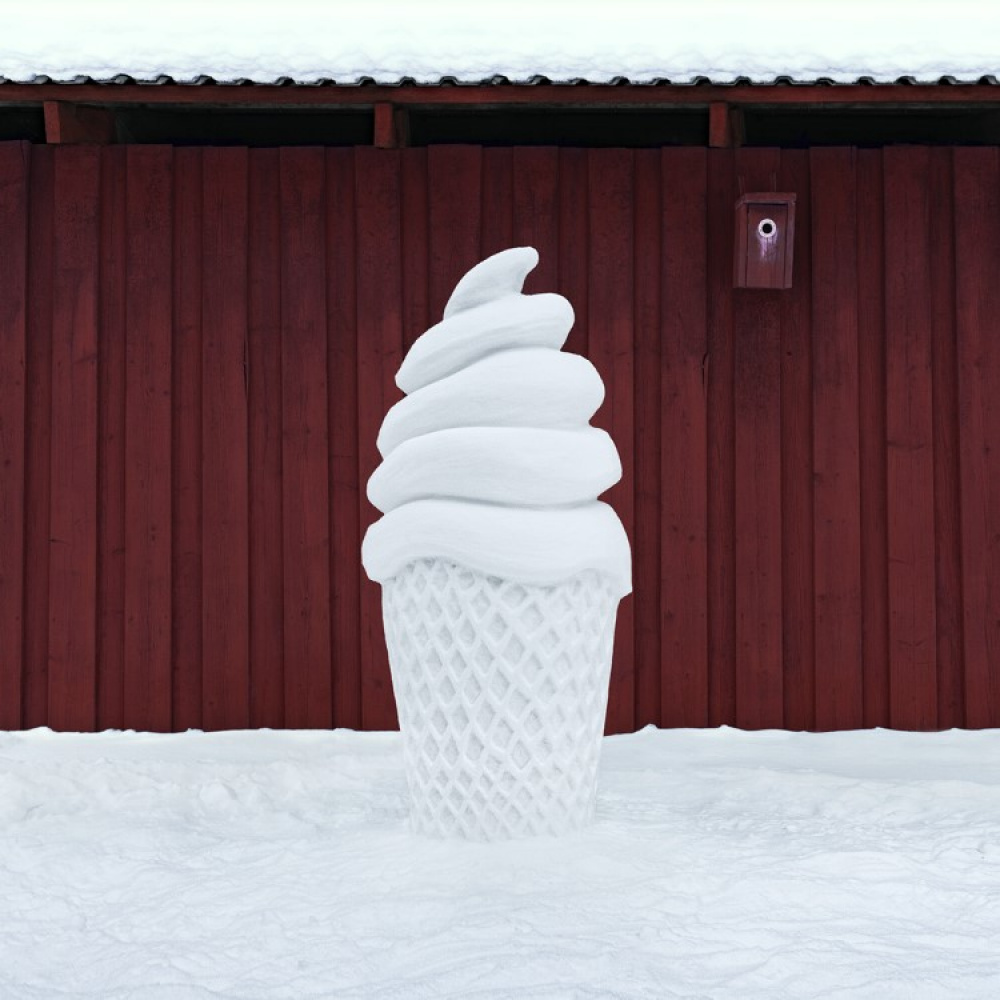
(499,275)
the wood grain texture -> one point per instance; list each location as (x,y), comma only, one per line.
(610,346)
(947,512)
(111,378)
(797,575)
(415,237)
(574,243)
(305,451)
(910,441)
(186,569)
(38,437)
(647,255)
(977,298)
(839,670)
(204,346)
(265,331)
(872,416)
(148,437)
(497,200)
(757,483)
(14,166)
(379,290)
(454,179)
(721,605)
(67,122)
(225,505)
(72,687)
(345,497)
(679,495)
(535,200)
(473,96)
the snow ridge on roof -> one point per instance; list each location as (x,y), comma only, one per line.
(123,79)
(518,41)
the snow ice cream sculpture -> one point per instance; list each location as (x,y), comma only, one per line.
(501,571)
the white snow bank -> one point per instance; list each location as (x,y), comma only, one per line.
(278,865)
(591,39)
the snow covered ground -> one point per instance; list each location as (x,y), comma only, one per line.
(722,864)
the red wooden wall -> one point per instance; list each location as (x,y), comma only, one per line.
(197,347)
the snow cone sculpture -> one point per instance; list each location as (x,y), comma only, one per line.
(501,571)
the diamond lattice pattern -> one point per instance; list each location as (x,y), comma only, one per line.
(502,691)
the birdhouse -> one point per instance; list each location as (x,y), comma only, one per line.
(765,238)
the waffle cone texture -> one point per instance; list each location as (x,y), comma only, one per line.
(502,692)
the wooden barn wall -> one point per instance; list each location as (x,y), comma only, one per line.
(197,347)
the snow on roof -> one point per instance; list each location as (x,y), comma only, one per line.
(426,41)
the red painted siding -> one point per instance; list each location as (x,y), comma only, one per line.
(14,161)
(671,395)
(977,238)
(72,549)
(148,436)
(197,348)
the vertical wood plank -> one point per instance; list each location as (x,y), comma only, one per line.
(415,236)
(379,324)
(264,402)
(186,570)
(305,414)
(610,310)
(910,441)
(757,483)
(977,298)
(679,493)
(14,163)
(38,424)
(574,242)
(938,347)
(148,438)
(797,584)
(947,530)
(839,670)
(536,213)
(225,515)
(73,520)
(719,375)
(342,325)
(872,416)
(649,271)
(498,200)
(454,177)
(111,444)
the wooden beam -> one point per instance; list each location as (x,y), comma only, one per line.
(392,126)
(507,95)
(718,125)
(726,127)
(71,123)
(385,126)
(402,121)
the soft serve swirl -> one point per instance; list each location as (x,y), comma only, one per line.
(490,460)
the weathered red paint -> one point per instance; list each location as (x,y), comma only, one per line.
(815,542)
(14,159)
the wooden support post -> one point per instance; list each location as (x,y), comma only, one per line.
(391,126)
(73,123)
(725,125)
(401,117)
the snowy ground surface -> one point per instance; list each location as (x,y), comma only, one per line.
(721,864)
(387,40)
